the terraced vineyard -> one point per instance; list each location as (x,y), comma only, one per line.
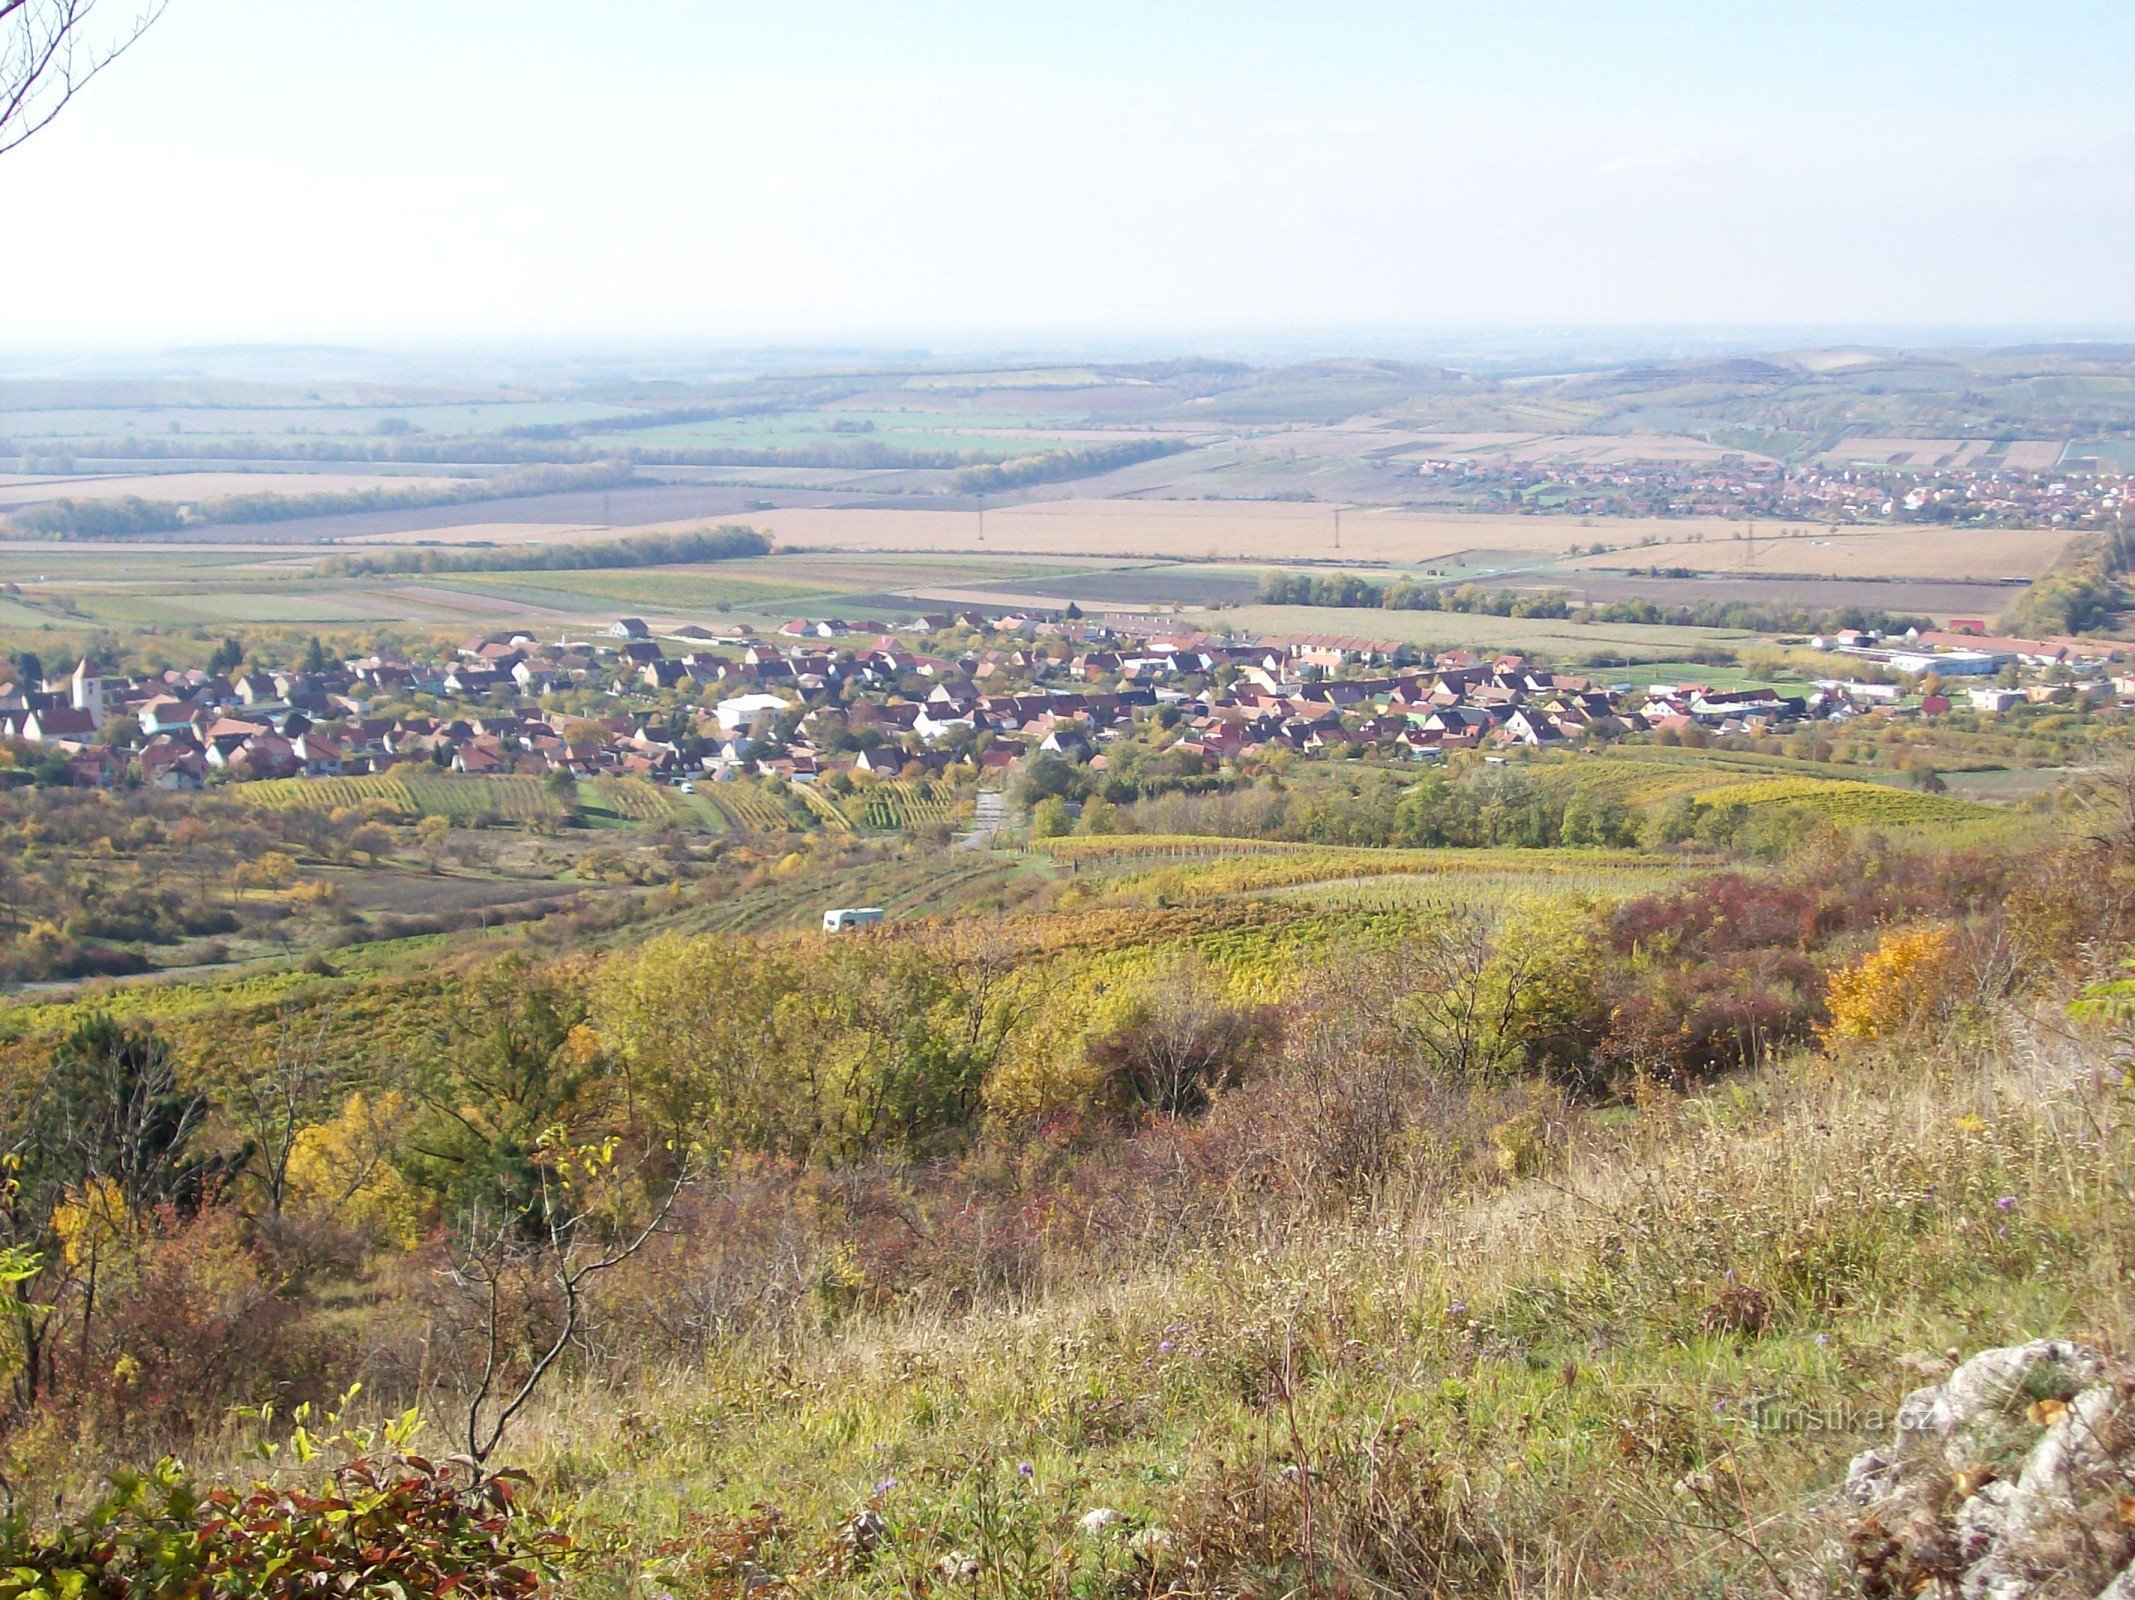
(514,799)
(1849,804)
(898,805)
(907,889)
(1175,871)
(825,809)
(330,794)
(418,794)
(636,800)
(748,808)
(1646,779)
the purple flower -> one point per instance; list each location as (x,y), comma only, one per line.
(885,1486)
(1165,1347)
(2006,1203)
(1458,1308)
(1823,1338)
(1025,1470)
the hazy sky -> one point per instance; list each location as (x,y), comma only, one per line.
(795,169)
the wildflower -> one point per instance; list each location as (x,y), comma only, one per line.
(1025,1470)
(885,1486)
(1458,1308)
(1165,1347)
(2006,1203)
(1823,1338)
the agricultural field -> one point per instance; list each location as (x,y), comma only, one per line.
(1160,870)
(1648,778)
(822,810)
(635,800)
(19,491)
(1847,804)
(842,429)
(1570,641)
(432,794)
(1241,529)
(746,807)
(665,590)
(899,806)
(1985,555)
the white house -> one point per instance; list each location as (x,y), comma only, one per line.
(744,709)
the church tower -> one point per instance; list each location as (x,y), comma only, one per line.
(89,693)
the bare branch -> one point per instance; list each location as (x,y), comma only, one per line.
(571,1266)
(49,52)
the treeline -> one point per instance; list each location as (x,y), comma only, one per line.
(131,516)
(1751,616)
(1478,809)
(1058,466)
(561,445)
(1346,589)
(399,448)
(861,452)
(727,542)
(2083,591)
(671,417)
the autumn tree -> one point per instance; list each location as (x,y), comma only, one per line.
(111,1126)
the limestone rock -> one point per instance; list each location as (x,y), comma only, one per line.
(2007,1480)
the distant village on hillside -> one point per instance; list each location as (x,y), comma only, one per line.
(959,696)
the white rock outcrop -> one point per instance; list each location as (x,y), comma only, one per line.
(2013,1478)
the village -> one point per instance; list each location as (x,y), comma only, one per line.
(954,696)
(1959,490)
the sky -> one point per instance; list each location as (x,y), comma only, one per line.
(402,171)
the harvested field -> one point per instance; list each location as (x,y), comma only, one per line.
(1285,531)
(1587,449)
(2035,455)
(1906,596)
(619,511)
(1924,453)
(1452,630)
(23,491)
(1917,551)
(493,533)
(1222,530)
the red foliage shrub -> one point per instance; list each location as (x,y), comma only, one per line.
(400,1525)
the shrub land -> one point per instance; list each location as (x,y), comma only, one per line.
(1205,1226)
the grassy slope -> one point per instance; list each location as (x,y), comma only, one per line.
(1531,1373)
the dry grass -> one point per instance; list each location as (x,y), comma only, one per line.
(1639,1369)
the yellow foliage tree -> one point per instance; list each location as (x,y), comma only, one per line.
(339,1168)
(92,1221)
(1908,975)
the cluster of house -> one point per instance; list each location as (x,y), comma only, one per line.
(1966,650)
(1998,495)
(822,697)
